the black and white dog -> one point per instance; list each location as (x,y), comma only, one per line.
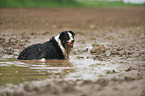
(58,47)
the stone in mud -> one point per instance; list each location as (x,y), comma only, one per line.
(98,49)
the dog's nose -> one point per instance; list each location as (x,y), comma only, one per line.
(73,41)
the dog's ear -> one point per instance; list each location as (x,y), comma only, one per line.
(61,35)
(72,33)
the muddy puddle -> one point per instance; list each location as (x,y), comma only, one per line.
(80,66)
(14,71)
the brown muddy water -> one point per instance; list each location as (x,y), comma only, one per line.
(15,72)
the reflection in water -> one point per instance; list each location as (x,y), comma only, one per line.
(14,71)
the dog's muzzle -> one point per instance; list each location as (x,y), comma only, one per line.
(70,44)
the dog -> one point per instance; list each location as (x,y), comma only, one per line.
(57,47)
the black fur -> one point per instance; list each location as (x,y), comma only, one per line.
(48,50)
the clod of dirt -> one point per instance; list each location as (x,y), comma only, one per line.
(102,82)
(80,57)
(98,49)
(111,37)
(45,33)
(2,40)
(111,71)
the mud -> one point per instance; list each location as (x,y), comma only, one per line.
(108,58)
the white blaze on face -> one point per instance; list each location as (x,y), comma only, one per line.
(71,37)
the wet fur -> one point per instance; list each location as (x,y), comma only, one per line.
(48,50)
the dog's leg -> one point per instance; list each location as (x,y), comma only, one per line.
(43,59)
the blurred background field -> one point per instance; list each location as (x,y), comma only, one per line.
(69,3)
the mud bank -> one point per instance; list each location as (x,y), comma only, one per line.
(99,87)
(107,58)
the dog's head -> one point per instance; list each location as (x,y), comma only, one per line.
(67,39)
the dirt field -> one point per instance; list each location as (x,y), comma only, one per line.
(120,31)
